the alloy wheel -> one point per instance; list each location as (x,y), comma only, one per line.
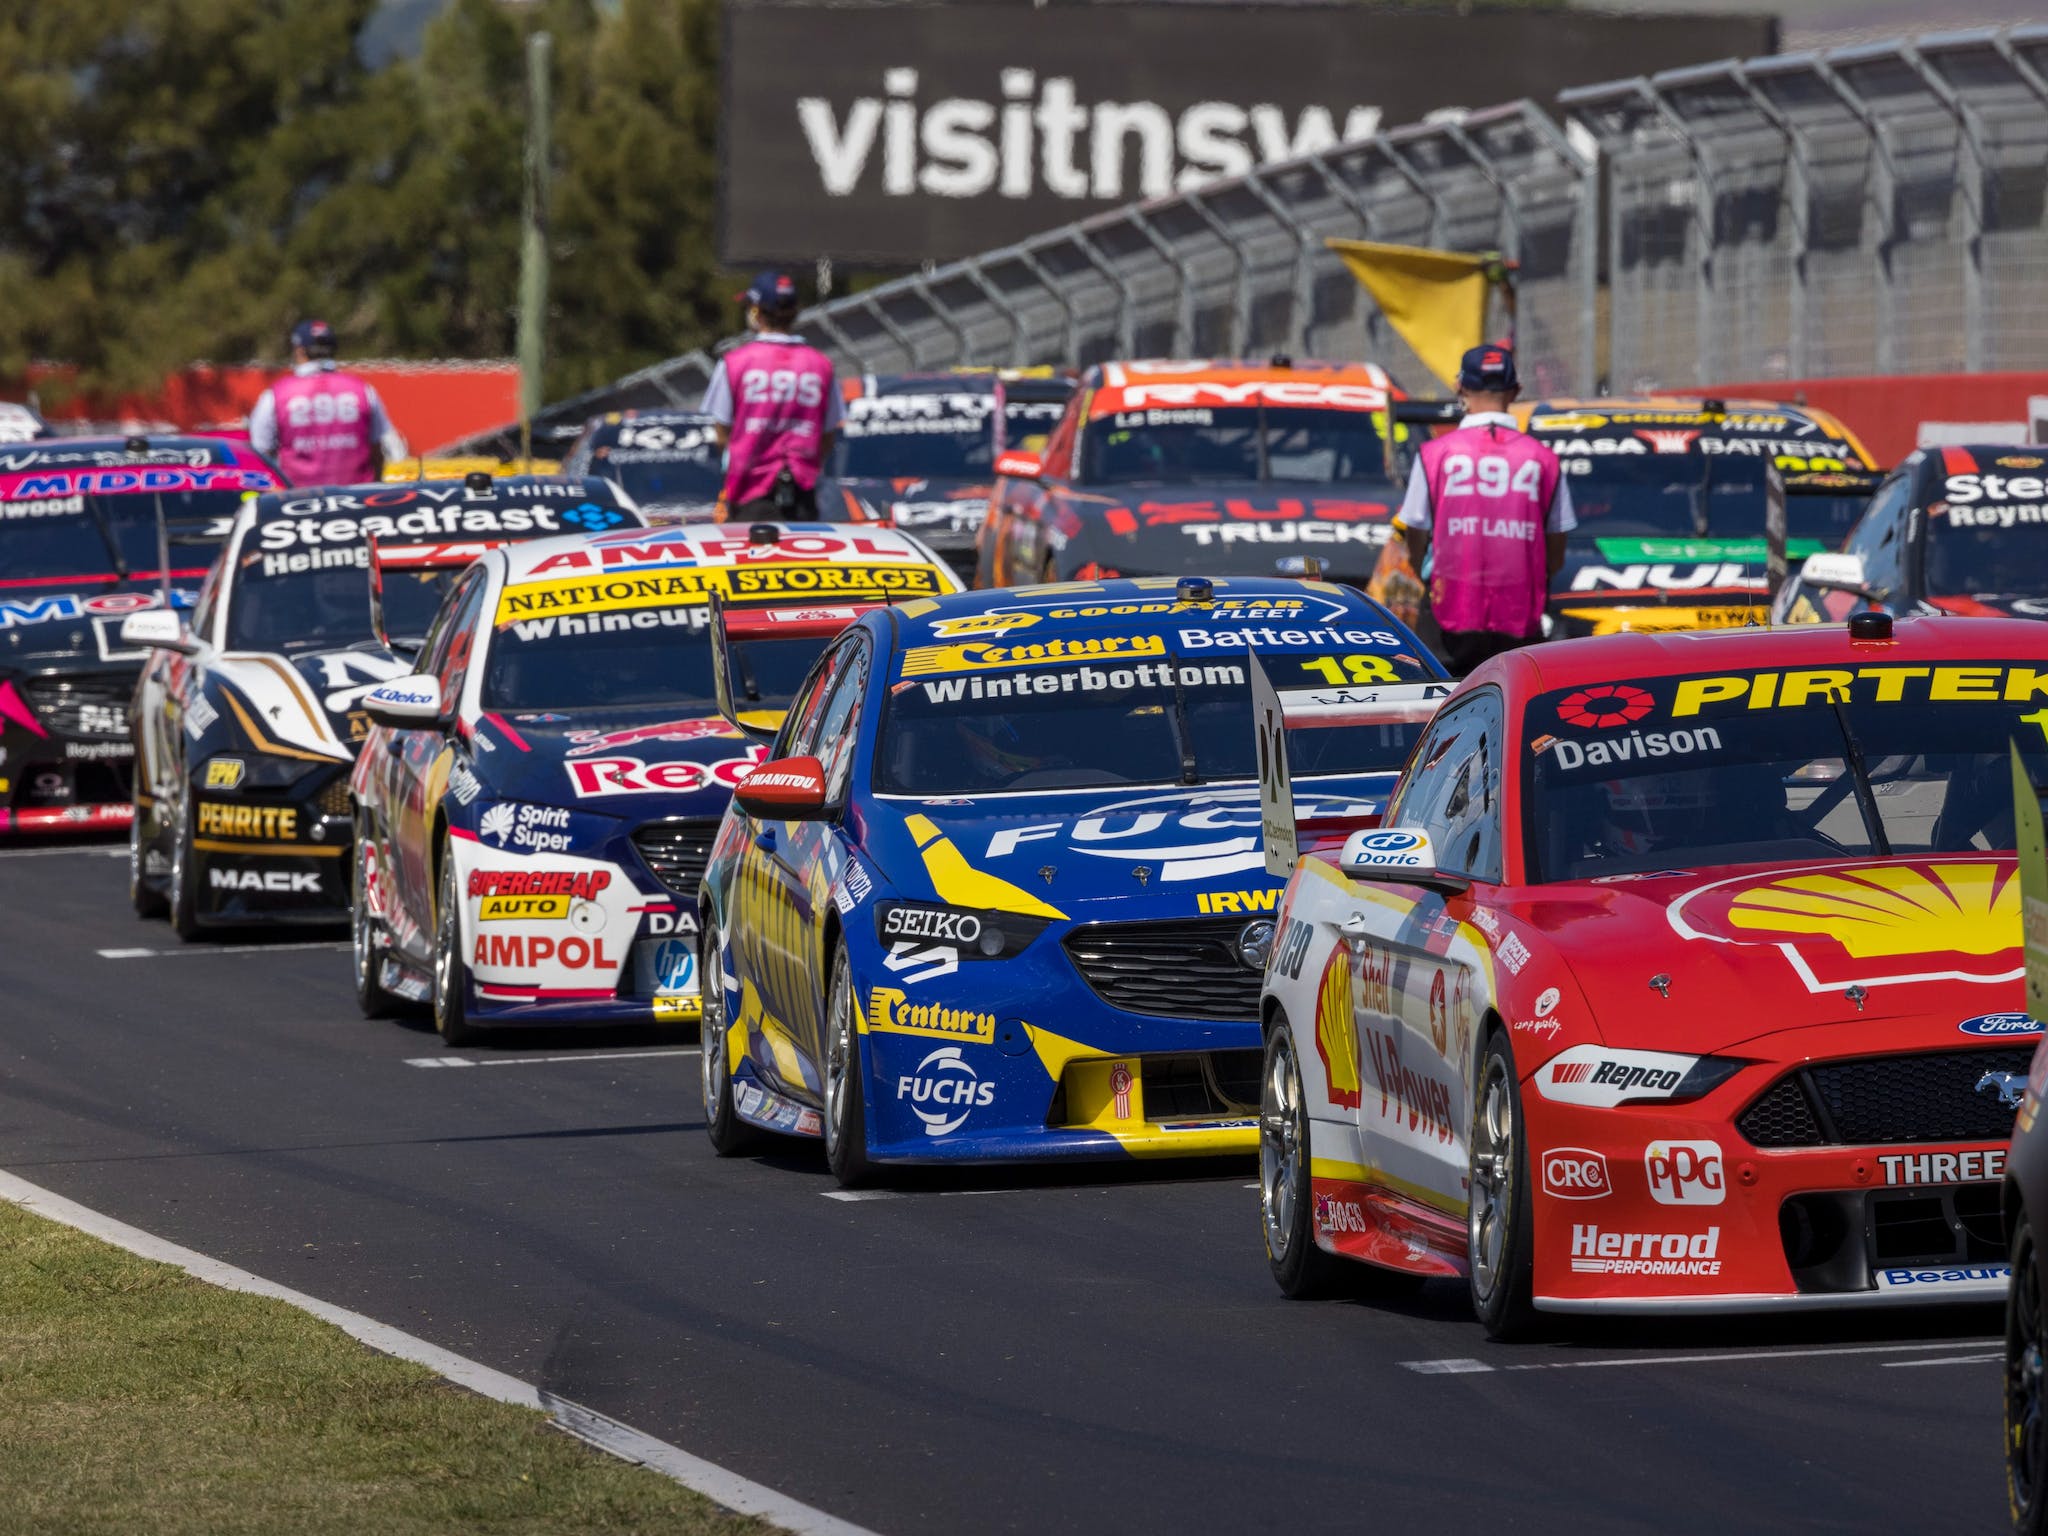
(2025,1446)
(1282,1139)
(1492,1179)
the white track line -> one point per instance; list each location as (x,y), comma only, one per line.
(119,851)
(620,1440)
(1464,1365)
(219,949)
(529,1061)
(1893,1365)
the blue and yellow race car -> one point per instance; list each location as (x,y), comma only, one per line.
(999,890)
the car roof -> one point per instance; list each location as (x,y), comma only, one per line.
(858,386)
(1136,384)
(688,545)
(1604,659)
(1142,603)
(654,416)
(1973,458)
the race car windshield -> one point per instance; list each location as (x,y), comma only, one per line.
(412,598)
(1212,445)
(274,608)
(889,437)
(1102,726)
(68,541)
(663,481)
(1986,555)
(1697,496)
(606,659)
(1768,767)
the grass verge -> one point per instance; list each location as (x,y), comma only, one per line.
(134,1398)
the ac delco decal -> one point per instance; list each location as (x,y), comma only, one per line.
(1862,685)
(623,775)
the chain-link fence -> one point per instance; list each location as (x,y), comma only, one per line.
(1877,209)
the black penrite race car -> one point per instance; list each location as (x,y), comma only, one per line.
(247,723)
(91,531)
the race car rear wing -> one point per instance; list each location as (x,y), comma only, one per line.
(739,695)
(1276,714)
(450,559)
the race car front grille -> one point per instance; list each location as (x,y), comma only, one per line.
(677,852)
(1885,1100)
(93,704)
(1206,1083)
(1184,969)
(334,800)
(1834,1239)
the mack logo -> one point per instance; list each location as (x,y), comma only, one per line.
(1041,131)
(277,882)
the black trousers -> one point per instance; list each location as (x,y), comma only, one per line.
(1465,649)
(763,509)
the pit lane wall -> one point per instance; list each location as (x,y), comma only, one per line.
(1875,210)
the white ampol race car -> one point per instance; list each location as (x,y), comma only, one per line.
(537,802)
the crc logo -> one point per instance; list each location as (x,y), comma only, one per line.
(1575,1173)
(1685,1172)
(1602,708)
(944,1078)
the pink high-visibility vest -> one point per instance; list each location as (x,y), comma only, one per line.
(1490,491)
(323,429)
(780,396)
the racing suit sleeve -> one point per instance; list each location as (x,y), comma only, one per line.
(387,436)
(1563,519)
(263,425)
(1414,513)
(718,396)
(835,403)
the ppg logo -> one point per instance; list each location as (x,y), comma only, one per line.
(1685,1172)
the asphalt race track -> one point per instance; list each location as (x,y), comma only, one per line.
(1089,1352)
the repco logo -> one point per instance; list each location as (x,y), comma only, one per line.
(1574,1173)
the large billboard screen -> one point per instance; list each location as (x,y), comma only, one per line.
(901,133)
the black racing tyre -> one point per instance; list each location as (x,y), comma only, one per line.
(368,957)
(1286,1201)
(2026,1435)
(1501,1225)
(147,903)
(730,1135)
(184,895)
(451,972)
(846,1119)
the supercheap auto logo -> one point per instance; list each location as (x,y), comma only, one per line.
(1604,707)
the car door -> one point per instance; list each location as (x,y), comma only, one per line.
(412,769)
(1419,990)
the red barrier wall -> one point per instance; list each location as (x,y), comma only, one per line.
(431,403)
(1886,412)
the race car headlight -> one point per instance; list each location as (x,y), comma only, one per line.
(974,935)
(1604,1078)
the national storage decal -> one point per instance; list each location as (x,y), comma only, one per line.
(524,604)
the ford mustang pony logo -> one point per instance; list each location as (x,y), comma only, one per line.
(2011,1087)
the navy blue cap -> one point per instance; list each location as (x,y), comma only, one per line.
(772,291)
(313,336)
(1489,369)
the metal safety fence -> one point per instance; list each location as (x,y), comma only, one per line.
(1878,209)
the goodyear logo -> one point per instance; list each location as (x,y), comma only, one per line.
(270,823)
(979,656)
(1864,685)
(892,1013)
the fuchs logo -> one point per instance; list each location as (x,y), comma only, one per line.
(1575,1173)
(1041,131)
(947,1081)
(2000,1025)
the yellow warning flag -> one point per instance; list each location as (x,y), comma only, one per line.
(1435,299)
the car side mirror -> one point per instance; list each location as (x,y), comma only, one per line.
(157,629)
(1020,466)
(785,789)
(1831,572)
(1402,855)
(406,704)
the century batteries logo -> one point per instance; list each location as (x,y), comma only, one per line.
(1041,137)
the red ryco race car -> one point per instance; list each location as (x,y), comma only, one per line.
(1698,990)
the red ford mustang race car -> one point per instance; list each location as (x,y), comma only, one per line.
(1683,973)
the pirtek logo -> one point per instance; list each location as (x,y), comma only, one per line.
(974,147)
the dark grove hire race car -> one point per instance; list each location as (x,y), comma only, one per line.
(1671,496)
(1952,530)
(81,548)
(246,724)
(668,462)
(1000,892)
(1163,468)
(537,801)
(1698,991)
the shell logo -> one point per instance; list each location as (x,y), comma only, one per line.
(1971,909)
(1870,924)
(1337,1032)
